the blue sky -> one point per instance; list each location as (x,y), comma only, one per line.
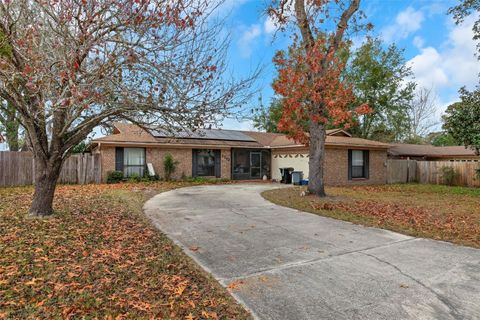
(440,53)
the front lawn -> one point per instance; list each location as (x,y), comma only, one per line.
(430,211)
(99,257)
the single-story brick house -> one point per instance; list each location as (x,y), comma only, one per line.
(239,155)
(432,153)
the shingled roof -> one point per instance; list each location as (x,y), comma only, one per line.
(331,140)
(132,134)
(419,150)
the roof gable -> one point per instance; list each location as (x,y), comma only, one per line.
(338,132)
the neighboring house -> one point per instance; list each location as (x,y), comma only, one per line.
(239,155)
(431,153)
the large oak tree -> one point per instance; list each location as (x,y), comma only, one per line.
(72,65)
(462,120)
(379,77)
(309,75)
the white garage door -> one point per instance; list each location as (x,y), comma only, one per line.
(297,161)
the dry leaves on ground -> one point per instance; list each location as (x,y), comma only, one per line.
(438,212)
(99,257)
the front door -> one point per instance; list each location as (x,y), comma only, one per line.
(255,165)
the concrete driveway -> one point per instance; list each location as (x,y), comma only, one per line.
(285,264)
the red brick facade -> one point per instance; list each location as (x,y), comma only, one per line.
(226,164)
(108,161)
(336,165)
(284,151)
(155,156)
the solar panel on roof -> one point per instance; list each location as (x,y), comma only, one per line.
(207,134)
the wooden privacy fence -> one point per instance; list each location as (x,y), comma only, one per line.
(465,172)
(17,169)
(401,171)
(430,172)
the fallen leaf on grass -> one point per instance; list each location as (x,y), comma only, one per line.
(179,290)
(191,303)
(210,315)
(97,249)
(33,281)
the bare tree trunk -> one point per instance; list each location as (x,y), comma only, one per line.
(316,160)
(46,176)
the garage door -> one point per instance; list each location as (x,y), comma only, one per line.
(297,161)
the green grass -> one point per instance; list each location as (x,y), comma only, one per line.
(436,188)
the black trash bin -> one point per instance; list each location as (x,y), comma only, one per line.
(286,174)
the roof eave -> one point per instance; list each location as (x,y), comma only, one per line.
(334,145)
(177,145)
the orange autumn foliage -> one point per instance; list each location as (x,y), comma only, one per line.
(310,84)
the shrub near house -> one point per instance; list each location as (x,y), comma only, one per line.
(169,166)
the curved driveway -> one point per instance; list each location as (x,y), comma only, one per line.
(286,264)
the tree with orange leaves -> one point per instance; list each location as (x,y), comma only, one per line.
(309,75)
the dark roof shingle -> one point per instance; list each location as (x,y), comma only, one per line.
(418,150)
(130,133)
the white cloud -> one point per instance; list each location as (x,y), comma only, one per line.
(453,64)
(450,66)
(406,22)
(269,26)
(428,70)
(436,8)
(246,41)
(460,60)
(234,124)
(418,42)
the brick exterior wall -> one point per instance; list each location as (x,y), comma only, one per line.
(184,158)
(336,165)
(226,164)
(108,161)
(336,168)
(155,156)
